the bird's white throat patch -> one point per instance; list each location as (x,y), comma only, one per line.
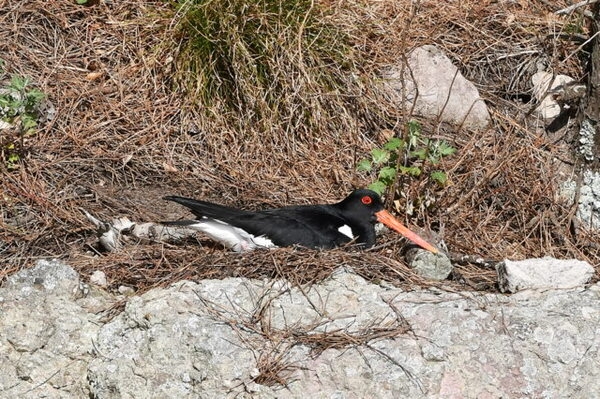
(347,231)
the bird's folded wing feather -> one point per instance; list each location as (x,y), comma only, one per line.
(306,226)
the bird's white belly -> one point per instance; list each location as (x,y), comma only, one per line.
(230,236)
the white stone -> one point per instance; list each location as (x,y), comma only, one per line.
(542,85)
(125,290)
(99,278)
(436,87)
(544,273)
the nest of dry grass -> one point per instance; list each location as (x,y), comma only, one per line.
(124,136)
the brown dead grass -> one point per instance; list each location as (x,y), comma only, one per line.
(122,138)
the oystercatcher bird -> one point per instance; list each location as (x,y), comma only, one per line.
(312,226)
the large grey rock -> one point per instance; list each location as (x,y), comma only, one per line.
(48,320)
(437,89)
(167,344)
(343,338)
(542,273)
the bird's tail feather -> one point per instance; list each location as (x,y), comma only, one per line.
(207,209)
(180,223)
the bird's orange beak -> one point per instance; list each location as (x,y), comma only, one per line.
(390,221)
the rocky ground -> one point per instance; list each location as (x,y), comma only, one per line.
(343,338)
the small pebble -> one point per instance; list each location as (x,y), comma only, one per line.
(98,278)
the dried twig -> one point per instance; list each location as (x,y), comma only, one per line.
(571,8)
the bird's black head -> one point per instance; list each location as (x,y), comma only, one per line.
(362,208)
(362,205)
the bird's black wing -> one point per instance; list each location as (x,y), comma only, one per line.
(314,226)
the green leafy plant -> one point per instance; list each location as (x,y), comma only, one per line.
(406,157)
(19,104)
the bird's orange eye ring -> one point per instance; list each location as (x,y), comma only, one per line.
(366,200)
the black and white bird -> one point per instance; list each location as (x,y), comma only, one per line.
(311,226)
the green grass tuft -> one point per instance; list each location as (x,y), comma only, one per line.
(267,58)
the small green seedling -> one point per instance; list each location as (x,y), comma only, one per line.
(406,157)
(19,104)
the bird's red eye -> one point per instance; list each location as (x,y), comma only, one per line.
(366,200)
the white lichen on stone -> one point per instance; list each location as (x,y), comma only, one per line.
(586,140)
